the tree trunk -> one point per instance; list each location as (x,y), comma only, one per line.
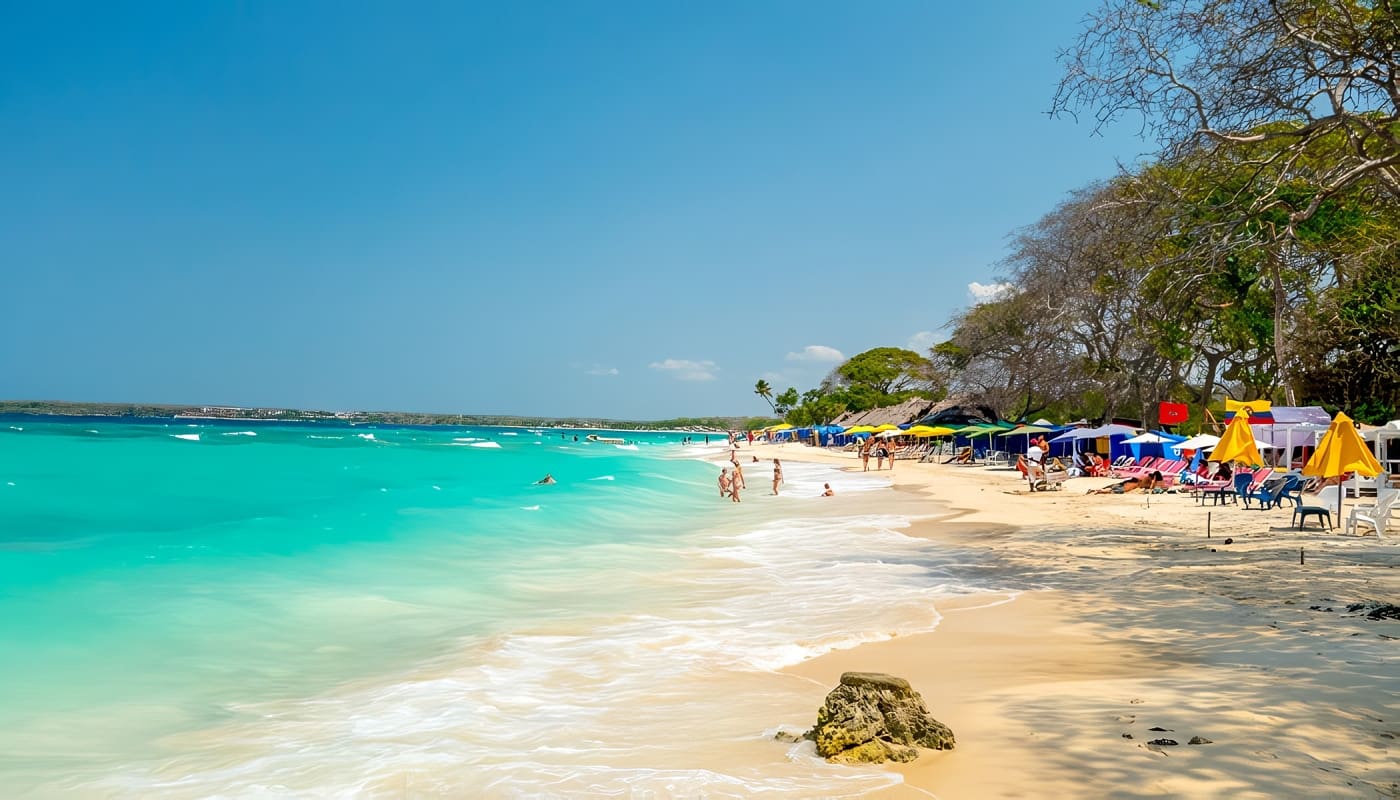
(1280,304)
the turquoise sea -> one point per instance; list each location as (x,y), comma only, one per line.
(190,608)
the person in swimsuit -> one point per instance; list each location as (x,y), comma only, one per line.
(738,482)
(865,455)
(777,474)
(827,490)
(547,479)
(724,482)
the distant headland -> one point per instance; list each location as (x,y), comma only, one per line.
(58,408)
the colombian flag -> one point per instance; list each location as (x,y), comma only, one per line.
(1260,411)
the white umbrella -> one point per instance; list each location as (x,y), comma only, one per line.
(1146,438)
(1197,442)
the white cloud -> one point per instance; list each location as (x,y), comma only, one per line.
(986,292)
(686,370)
(602,371)
(817,352)
(921,341)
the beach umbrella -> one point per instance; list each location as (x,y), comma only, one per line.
(1341,451)
(860,429)
(886,427)
(1198,442)
(1146,438)
(782,427)
(1238,444)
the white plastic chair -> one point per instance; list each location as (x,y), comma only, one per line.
(1377,516)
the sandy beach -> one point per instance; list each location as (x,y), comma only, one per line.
(1143,629)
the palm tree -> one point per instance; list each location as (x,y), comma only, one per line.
(762,389)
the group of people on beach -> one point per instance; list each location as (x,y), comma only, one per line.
(731,478)
(880,449)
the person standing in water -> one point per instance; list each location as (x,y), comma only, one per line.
(724,482)
(777,474)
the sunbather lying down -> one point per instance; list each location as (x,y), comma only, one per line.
(1146,483)
(963,456)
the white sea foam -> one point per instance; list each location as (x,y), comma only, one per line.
(603,478)
(530,508)
(509,433)
(437,488)
(314,436)
(599,704)
(241,433)
(625,446)
(16,428)
(189,437)
(486,444)
(467,439)
(366,436)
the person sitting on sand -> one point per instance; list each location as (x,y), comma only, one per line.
(1146,484)
(547,479)
(826,487)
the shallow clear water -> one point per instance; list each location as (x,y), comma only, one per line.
(194,609)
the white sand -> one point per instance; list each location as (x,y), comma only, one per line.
(1143,622)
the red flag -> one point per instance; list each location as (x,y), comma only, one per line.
(1172,413)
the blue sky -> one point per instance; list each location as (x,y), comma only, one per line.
(620,209)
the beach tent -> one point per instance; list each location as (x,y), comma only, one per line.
(1385,441)
(1340,452)
(1293,426)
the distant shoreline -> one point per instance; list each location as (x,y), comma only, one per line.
(232,415)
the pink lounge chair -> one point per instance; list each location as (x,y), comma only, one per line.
(1133,471)
(1171,471)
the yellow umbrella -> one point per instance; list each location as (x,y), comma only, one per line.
(886,427)
(781,427)
(941,430)
(860,429)
(1238,443)
(922,430)
(1341,451)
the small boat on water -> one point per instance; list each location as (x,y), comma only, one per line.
(593,437)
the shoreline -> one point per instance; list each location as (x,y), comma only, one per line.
(1132,620)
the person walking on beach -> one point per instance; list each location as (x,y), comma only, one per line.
(777,474)
(735,484)
(880,453)
(739,476)
(865,455)
(724,482)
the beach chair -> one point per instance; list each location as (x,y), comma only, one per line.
(1247,484)
(1171,471)
(1376,516)
(1275,491)
(1145,467)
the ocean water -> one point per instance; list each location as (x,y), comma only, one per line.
(192,609)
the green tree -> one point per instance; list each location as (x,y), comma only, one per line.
(784,403)
(762,389)
(882,376)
